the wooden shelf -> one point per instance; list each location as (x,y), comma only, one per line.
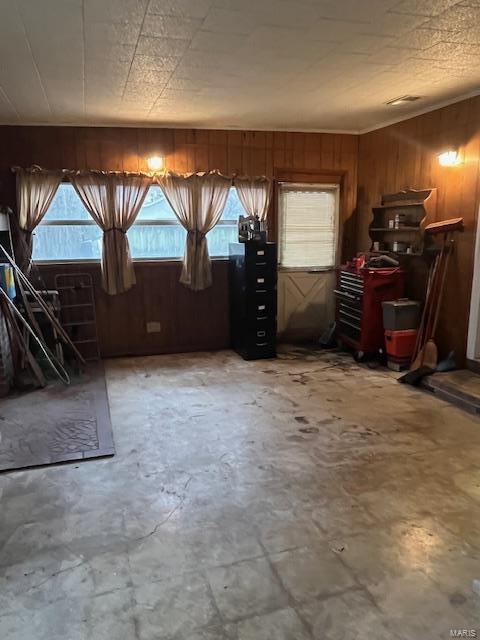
(400,205)
(387,252)
(405,253)
(415,208)
(389,230)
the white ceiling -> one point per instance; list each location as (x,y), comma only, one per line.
(253,64)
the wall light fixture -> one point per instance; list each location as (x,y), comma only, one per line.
(155,163)
(449,158)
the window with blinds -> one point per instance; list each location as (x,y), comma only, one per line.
(308,225)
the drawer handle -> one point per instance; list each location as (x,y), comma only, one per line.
(345,294)
(261,264)
(262,317)
(260,280)
(261,334)
(261,344)
(261,307)
(261,253)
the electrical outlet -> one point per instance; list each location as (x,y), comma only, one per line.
(154,327)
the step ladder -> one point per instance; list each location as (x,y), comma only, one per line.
(77,312)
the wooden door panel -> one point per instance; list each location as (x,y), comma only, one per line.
(305,304)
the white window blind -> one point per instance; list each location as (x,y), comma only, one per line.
(308,225)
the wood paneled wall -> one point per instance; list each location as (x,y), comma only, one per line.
(405,155)
(189,321)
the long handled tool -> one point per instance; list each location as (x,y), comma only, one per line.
(11,311)
(426,352)
(430,351)
(42,304)
(426,308)
(16,337)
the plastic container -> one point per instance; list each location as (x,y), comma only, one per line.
(399,315)
(7,281)
(400,344)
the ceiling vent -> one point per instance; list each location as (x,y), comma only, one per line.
(402,100)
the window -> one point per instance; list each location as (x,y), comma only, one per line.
(67,232)
(308,225)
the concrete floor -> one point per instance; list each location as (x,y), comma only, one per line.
(300,498)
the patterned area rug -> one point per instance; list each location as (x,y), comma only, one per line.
(57,424)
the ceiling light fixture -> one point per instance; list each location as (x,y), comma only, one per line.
(402,100)
(449,158)
(155,163)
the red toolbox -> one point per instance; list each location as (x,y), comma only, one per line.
(400,344)
(359,296)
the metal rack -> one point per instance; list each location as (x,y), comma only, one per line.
(78,314)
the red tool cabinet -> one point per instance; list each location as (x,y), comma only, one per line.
(359,296)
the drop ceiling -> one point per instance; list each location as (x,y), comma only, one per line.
(250,64)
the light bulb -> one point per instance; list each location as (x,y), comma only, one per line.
(155,163)
(449,158)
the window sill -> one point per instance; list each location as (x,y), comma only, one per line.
(95,261)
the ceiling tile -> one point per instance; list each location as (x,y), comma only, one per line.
(353,10)
(8,112)
(111,33)
(227,21)
(142,92)
(452,53)
(334,30)
(170,47)
(214,62)
(110,72)
(390,55)
(149,76)
(424,7)
(394,24)
(420,39)
(216,41)
(159,63)
(284,13)
(456,18)
(170,26)
(111,10)
(110,52)
(182,8)
(366,43)
(181,94)
(285,43)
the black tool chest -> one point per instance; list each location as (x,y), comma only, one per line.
(253,299)
(349,305)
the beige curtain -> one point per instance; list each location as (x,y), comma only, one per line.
(254,194)
(113,200)
(198,201)
(36,189)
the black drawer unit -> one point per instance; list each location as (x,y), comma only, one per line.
(253,299)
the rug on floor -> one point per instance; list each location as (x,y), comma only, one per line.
(57,424)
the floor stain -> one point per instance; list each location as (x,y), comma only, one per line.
(309,430)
